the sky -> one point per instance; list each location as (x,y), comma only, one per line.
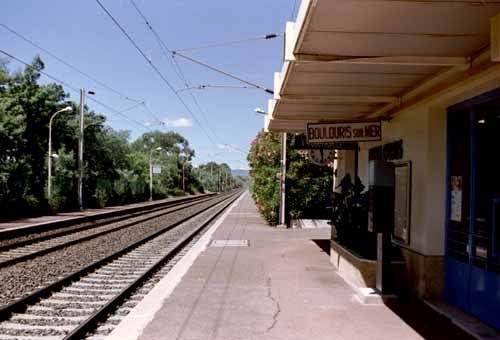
(80,33)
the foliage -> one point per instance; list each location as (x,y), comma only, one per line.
(115,170)
(308,186)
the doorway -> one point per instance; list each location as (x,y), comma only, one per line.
(473,207)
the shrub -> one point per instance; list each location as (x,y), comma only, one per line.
(308,186)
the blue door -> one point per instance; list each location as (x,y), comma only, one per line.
(473,208)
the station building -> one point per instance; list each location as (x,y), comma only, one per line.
(430,72)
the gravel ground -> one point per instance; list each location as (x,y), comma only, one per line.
(115,318)
(31,236)
(22,279)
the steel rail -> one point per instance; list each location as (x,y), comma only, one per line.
(50,249)
(22,304)
(17,232)
(90,323)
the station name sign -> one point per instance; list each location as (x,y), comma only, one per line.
(318,133)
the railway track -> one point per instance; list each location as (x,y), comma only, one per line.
(17,237)
(72,307)
(44,244)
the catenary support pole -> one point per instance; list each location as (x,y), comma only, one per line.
(80,151)
(151,175)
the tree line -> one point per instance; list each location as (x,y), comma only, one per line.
(116,171)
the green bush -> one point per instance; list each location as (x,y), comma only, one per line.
(308,186)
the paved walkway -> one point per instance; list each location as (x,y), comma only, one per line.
(281,286)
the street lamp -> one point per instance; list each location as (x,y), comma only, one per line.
(80,147)
(260,111)
(50,155)
(151,171)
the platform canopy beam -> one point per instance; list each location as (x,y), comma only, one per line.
(397,60)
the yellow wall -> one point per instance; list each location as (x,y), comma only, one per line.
(423,131)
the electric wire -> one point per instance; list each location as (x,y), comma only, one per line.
(206,86)
(76,69)
(233,42)
(117,112)
(227,74)
(154,67)
(175,65)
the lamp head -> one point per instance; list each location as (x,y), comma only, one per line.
(67,109)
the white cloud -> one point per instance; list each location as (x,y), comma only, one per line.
(181,122)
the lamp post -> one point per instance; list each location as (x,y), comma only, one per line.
(49,161)
(151,171)
(80,147)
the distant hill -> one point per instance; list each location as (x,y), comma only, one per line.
(239,172)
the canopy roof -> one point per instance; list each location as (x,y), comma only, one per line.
(354,59)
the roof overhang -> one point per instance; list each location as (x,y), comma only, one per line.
(359,59)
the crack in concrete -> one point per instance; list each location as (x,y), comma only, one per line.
(276,302)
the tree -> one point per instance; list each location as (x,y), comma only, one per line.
(25,108)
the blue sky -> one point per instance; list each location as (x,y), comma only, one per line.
(80,33)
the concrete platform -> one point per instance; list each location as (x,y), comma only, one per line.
(279,286)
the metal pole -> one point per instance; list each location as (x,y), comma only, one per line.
(183,177)
(150,175)
(282,220)
(80,151)
(49,161)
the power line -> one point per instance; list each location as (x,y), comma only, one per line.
(206,86)
(154,67)
(117,112)
(74,68)
(175,65)
(227,74)
(233,42)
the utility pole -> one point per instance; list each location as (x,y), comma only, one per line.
(219,182)
(212,176)
(80,151)
(282,216)
(183,177)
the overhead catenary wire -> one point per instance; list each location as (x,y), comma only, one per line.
(232,42)
(154,67)
(76,69)
(222,72)
(206,86)
(174,63)
(75,89)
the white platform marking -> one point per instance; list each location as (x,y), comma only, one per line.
(133,324)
